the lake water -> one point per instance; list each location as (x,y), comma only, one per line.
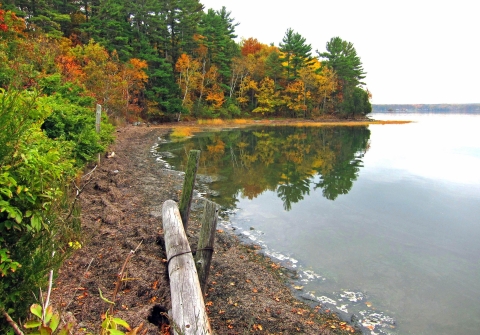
(381,222)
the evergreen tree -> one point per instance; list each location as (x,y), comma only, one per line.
(296,53)
(342,57)
(273,66)
(162,91)
(182,18)
(218,31)
(110,26)
(48,16)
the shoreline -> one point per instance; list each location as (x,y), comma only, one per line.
(121,207)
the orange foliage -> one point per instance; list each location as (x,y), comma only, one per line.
(217,148)
(216,96)
(70,68)
(11,23)
(252,190)
(134,79)
(202,49)
(251,46)
(3,26)
(188,69)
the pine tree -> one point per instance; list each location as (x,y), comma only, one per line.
(342,58)
(110,26)
(218,31)
(296,53)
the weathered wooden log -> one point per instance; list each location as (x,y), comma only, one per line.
(203,257)
(188,307)
(188,185)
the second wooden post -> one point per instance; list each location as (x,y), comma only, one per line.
(188,185)
(203,257)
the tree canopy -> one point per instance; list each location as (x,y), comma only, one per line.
(226,78)
(342,58)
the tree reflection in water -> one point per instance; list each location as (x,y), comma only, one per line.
(282,159)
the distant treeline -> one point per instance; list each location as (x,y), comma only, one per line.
(469,108)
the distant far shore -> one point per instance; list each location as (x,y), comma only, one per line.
(429,108)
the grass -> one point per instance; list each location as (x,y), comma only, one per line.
(215,122)
(182,132)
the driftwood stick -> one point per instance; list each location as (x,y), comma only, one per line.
(188,307)
(188,185)
(12,323)
(120,276)
(203,257)
(79,191)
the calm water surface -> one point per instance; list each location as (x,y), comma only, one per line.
(380,222)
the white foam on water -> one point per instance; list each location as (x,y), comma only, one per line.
(352,296)
(343,308)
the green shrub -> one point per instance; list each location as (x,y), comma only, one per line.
(36,167)
(75,125)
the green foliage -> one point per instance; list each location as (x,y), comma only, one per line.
(207,112)
(111,325)
(231,109)
(356,102)
(342,57)
(273,66)
(110,26)
(75,126)
(34,172)
(18,113)
(296,53)
(218,30)
(71,119)
(47,322)
(162,91)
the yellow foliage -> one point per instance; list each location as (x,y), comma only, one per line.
(181,132)
(240,121)
(211,122)
(217,148)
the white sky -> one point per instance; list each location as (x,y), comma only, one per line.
(414,51)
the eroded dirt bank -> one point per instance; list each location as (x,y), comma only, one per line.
(121,208)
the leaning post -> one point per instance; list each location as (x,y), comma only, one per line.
(188,185)
(203,257)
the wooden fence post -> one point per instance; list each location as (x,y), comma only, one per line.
(188,185)
(203,257)
(98,117)
(188,307)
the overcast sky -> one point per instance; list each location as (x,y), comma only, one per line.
(413,51)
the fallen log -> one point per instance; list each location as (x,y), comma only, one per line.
(188,308)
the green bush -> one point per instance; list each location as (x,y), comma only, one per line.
(75,125)
(36,167)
